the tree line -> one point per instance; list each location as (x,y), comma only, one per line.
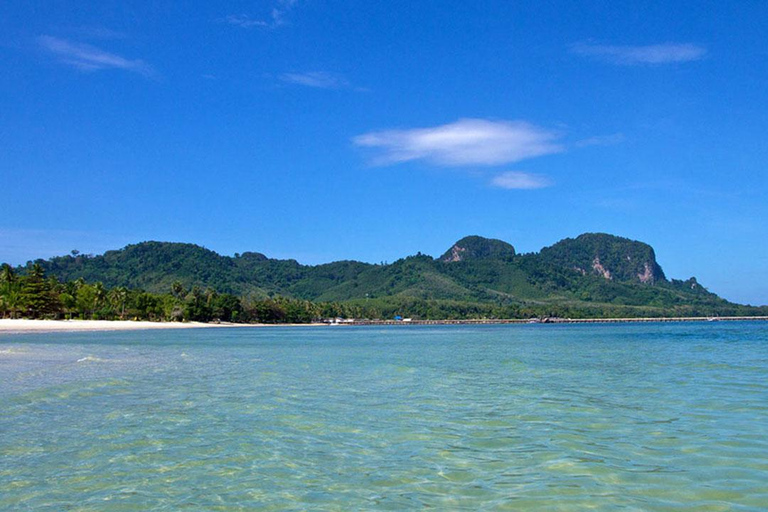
(32,294)
(35,295)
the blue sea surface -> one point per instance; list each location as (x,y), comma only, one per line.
(513,417)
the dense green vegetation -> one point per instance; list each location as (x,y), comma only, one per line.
(593,275)
(476,248)
(625,259)
(33,295)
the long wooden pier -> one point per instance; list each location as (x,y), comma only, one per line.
(493,321)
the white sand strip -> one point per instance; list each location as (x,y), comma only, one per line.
(25,325)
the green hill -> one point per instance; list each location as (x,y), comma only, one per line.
(611,257)
(478,248)
(597,274)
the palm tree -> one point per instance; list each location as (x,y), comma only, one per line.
(7,279)
(101,293)
(178,291)
(12,299)
(118,297)
(7,275)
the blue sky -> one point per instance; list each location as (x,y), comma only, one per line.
(323,130)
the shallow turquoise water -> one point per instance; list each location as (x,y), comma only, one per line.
(636,417)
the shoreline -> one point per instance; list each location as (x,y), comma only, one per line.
(520,321)
(21,326)
(26,325)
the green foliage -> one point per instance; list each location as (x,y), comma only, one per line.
(34,296)
(595,275)
(625,260)
(476,248)
(11,297)
(39,295)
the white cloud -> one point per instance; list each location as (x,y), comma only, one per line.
(520,180)
(666,53)
(464,142)
(89,58)
(280,10)
(275,19)
(318,79)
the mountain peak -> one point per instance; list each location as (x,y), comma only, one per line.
(612,257)
(477,248)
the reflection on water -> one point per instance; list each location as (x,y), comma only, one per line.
(486,417)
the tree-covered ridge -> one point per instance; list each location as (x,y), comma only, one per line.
(35,295)
(154,266)
(593,274)
(476,247)
(608,256)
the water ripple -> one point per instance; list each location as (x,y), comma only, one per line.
(485,418)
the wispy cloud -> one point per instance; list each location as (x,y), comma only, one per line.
(245,21)
(520,180)
(601,140)
(667,53)
(89,58)
(275,19)
(318,79)
(464,142)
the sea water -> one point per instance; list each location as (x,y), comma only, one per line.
(555,417)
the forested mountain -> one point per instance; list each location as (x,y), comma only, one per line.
(478,248)
(594,274)
(611,257)
(155,266)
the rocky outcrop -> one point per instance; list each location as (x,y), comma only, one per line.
(455,254)
(647,276)
(600,269)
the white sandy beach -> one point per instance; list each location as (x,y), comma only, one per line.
(25,325)
(18,326)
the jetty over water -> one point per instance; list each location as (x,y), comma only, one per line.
(494,321)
